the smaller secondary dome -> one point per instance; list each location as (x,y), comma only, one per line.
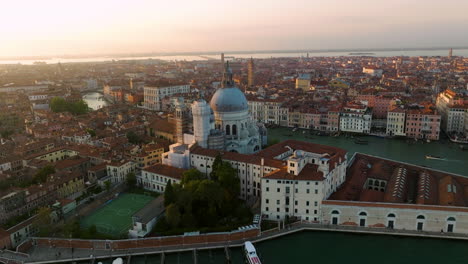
(229,99)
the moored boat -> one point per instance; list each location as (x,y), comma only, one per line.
(361,141)
(251,254)
(434,157)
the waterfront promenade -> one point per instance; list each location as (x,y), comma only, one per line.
(48,254)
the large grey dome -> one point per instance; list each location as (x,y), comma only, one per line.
(229,99)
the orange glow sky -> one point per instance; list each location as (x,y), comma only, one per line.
(57,27)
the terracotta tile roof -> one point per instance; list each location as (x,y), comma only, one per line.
(252,159)
(335,154)
(406,184)
(309,173)
(166,170)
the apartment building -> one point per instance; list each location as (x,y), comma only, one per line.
(356,118)
(153,95)
(396,121)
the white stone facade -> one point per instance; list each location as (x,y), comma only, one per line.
(356,120)
(396,123)
(300,192)
(202,124)
(153,95)
(396,216)
(118,171)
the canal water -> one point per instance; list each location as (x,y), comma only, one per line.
(332,247)
(410,151)
(95,100)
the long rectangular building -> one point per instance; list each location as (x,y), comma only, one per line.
(382,193)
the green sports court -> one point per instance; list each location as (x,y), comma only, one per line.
(115,218)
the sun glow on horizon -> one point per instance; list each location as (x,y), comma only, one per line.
(52,27)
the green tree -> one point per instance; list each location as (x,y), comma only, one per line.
(79,107)
(43,220)
(227,177)
(58,104)
(91,132)
(216,164)
(169,194)
(131,179)
(133,138)
(108,185)
(192,175)
(43,173)
(173,216)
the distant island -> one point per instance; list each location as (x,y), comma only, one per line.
(361,53)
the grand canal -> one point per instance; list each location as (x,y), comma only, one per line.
(410,151)
(95,100)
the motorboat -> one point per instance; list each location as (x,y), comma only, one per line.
(434,157)
(251,254)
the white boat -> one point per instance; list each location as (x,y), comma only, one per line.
(434,157)
(251,254)
(117,261)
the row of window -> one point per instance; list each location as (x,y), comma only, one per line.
(267,201)
(287,190)
(296,211)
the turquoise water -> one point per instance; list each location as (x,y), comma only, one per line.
(397,149)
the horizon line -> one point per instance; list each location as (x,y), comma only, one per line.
(231,52)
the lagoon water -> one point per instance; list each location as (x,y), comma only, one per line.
(258,55)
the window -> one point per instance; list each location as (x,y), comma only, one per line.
(315,203)
(362,214)
(266,209)
(307,203)
(267,201)
(278,189)
(421,217)
(277,209)
(277,201)
(307,191)
(267,189)
(316,191)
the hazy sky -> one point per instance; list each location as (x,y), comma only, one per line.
(45,27)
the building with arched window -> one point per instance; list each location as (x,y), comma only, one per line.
(386,194)
(231,116)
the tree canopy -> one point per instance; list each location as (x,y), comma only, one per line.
(202,203)
(58,105)
(43,173)
(131,179)
(133,138)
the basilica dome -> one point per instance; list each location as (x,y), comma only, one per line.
(229,99)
